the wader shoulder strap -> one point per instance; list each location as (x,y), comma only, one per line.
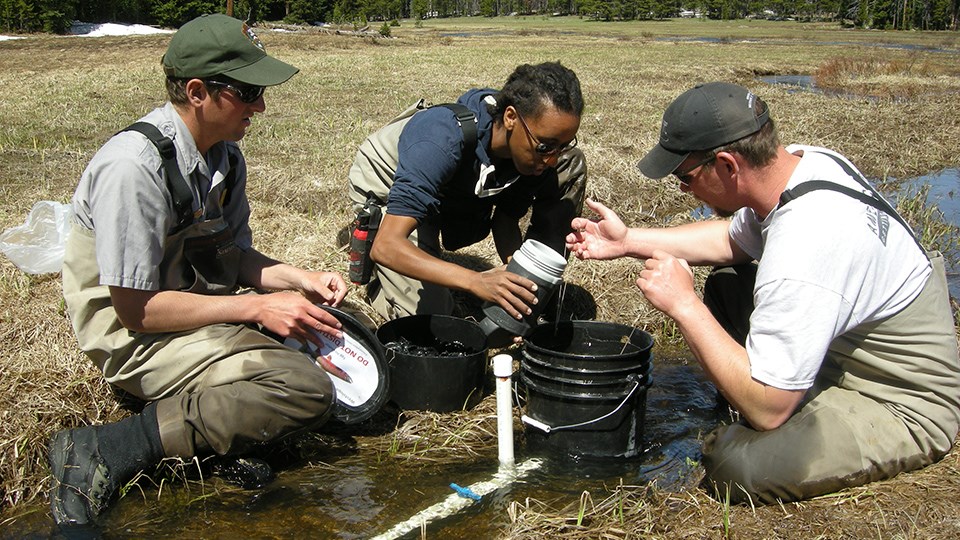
(871,198)
(468,125)
(178,186)
(467,121)
(182,196)
(814,185)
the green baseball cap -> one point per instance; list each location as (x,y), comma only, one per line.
(215,44)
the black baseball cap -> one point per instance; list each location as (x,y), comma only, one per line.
(703,118)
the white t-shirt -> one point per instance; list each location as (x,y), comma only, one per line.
(827,263)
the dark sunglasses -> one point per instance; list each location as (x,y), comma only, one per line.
(545,149)
(686,177)
(246,93)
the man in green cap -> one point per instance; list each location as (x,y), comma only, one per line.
(825,323)
(159,245)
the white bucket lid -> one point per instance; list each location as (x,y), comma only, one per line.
(359,354)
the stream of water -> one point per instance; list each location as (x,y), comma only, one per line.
(351,494)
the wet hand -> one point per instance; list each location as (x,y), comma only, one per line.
(514,293)
(601,239)
(667,282)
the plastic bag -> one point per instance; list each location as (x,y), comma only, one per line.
(37,246)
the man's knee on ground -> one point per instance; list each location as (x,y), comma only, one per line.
(311,390)
(735,475)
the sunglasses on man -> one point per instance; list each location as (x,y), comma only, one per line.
(246,93)
(687,176)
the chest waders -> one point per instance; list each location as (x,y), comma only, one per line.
(885,400)
(363,230)
(200,256)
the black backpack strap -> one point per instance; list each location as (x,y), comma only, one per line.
(871,198)
(179,189)
(814,185)
(467,121)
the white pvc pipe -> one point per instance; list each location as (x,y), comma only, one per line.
(460,500)
(503,370)
(508,473)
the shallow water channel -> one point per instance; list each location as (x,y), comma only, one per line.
(944,193)
(349,494)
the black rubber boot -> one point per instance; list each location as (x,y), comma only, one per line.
(88,464)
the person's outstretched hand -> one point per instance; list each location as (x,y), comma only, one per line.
(603,239)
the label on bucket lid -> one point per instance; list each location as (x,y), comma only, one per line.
(358,355)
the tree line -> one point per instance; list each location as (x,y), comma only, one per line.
(56,15)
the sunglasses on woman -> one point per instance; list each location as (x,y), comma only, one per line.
(545,149)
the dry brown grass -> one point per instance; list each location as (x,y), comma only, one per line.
(65,96)
(883,77)
(430,437)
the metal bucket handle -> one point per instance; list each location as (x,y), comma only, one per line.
(546,428)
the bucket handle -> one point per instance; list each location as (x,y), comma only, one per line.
(546,428)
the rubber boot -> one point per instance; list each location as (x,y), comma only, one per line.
(88,465)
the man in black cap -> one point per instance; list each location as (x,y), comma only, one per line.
(159,245)
(825,324)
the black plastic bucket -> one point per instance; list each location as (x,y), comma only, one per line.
(586,385)
(437,362)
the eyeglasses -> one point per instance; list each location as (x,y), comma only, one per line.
(545,149)
(687,176)
(246,93)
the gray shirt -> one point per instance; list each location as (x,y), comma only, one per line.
(123,197)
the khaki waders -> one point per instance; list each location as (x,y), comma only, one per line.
(886,400)
(219,388)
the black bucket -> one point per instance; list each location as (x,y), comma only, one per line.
(586,385)
(437,362)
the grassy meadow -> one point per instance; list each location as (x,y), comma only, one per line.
(64,96)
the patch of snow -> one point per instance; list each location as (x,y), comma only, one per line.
(6,38)
(113,29)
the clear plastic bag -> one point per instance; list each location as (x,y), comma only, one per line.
(37,246)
